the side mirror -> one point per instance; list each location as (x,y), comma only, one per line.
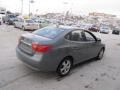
(98,39)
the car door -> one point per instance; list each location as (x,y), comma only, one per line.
(78,46)
(92,45)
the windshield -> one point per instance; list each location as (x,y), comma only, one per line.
(11,16)
(49,32)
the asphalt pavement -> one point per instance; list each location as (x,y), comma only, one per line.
(91,75)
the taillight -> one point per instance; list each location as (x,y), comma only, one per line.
(40,48)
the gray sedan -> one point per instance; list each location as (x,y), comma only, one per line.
(58,48)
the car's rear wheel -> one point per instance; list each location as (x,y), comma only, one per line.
(100,54)
(64,67)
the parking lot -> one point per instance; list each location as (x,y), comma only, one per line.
(91,75)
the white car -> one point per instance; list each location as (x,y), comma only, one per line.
(85,26)
(0,19)
(26,24)
(104,30)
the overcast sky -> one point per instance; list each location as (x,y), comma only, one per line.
(76,6)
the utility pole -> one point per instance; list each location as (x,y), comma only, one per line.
(30,1)
(66,11)
(21,7)
(29,8)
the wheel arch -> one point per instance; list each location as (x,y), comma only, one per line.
(71,58)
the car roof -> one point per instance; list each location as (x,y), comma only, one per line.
(117,29)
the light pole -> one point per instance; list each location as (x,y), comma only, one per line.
(66,11)
(30,1)
(21,7)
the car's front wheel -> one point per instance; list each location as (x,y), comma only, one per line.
(15,26)
(100,54)
(23,28)
(8,23)
(64,67)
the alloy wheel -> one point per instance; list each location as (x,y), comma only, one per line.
(64,67)
(101,53)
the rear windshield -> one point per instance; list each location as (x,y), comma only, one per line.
(29,21)
(48,32)
(117,29)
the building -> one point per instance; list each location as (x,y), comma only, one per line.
(101,15)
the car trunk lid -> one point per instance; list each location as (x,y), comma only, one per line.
(25,42)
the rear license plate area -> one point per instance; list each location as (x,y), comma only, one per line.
(26,48)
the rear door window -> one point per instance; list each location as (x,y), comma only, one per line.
(29,21)
(77,35)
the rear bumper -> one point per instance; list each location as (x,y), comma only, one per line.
(36,62)
(31,27)
(116,32)
(104,32)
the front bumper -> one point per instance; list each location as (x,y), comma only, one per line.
(10,22)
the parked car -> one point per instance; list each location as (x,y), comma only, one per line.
(94,28)
(116,31)
(85,26)
(42,22)
(9,19)
(0,20)
(104,30)
(58,48)
(1,17)
(26,24)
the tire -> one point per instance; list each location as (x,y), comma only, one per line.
(64,67)
(23,28)
(15,26)
(100,54)
(8,23)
